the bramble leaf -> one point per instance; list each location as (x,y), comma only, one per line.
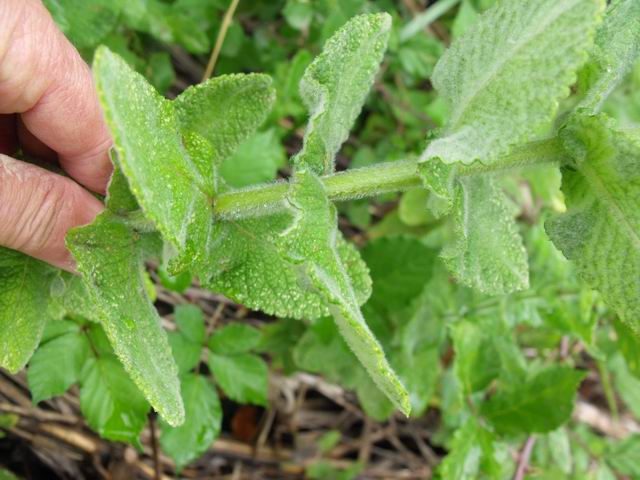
(58,362)
(471,448)
(311,243)
(203,419)
(400,267)
(243,377)
(24,306)
(599,231)
(112,405)
(234,338)
(616,49)
(335,86)
(110,256)
(540,404)
(477,362)
(190,322)
(504,77)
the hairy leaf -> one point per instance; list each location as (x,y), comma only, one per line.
(616,49)
(599,231)
(150,152)
(110,257)
(225,111)
(110,402)
(541,404)
(24,306)
(487,252)
(244,263)
(203,419)
(336,84)
(311,243)
(504,77)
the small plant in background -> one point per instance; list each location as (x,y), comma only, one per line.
(450,294)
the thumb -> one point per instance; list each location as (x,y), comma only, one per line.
(38,207)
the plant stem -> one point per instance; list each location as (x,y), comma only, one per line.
(226,22)
(365,182)
(427,17)
(349,185)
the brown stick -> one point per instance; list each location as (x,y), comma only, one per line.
(226,22)
(154,448)
(523,459)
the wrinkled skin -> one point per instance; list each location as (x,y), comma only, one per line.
(49,110)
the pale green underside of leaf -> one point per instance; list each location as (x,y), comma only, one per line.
(616,49)
(335,86)
(504,77)
(203,419)
(110,257)
(311,243)
(540,404)
(600,232)
(487,253)
(244,262)
(24,306)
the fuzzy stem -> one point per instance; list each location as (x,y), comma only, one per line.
(371,181)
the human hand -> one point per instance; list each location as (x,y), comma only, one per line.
(49,109)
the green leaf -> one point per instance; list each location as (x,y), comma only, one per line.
(203,419)
(540,404)
(85,23)
(225,111)
(623,456)
(58,362)
(472,446)
(185,352)
(504,77)
(242,377)
(487,252)
(599,231)
(190,321)
(311,243)
(257,160)
(629,345)
(477,362)
(400,267)
(24,306)
(234,338)
(161,173)
(111,257)
(336,84)
(616,49)
(244,263)
(110,402)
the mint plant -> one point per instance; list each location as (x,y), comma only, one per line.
(276,247)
